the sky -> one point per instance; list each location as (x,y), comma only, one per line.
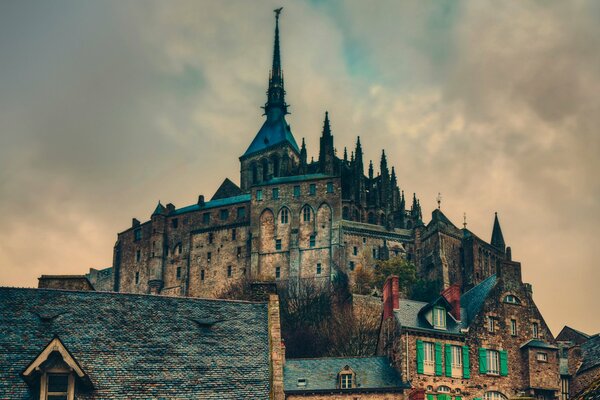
(107,107)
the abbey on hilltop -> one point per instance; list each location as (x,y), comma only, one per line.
(290,218)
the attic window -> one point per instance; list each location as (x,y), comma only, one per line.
(439,318)
(443,389)
(57,386)
(301,382)
(511,299)
(346,381)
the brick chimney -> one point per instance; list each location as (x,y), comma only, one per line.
(391,296)
(201,200)
(417,394)
(452,295)
(170,208)
(510,274)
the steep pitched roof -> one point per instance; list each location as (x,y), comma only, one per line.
(321,374)
(274,132)
(571,334)
(472,300)
(139,346)
(497,237)
(591,354)
(227,189)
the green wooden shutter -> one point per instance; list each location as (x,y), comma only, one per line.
(419,356)
(466,366)
(448,359)
(430,397)
(482,360)
(438,358)
(457,398)
(503,363)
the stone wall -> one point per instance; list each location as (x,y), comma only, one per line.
(348,396)
(66,282)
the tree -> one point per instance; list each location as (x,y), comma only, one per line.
(402,268)
(363,280)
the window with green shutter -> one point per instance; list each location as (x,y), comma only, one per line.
(482,360)
(503,363)
(438,358)
(420,357)
(466,366)
(448,359)
(430,397)
(457,398)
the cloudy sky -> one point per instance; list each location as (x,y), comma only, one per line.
(107,107)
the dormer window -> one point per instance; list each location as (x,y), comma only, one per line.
(55,372)
(443,389)
(511,299)
(301,382)
(347,378)
(439,318)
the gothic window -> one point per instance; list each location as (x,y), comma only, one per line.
(285,215)
(178,272)
(306,214)
(265,170)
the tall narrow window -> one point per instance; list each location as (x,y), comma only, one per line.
(428,358)
(355,251)
(318,268)
(457,361)
(306,213)
(491,324)
(312,189)
(493,362)
(206,218)
(239,251)
(202,275)
(351,266)
(137,234)
(175,223)
(211,237)
(137,278)
(178,272)
(275,193)
(277,244)
(285,216)
(138,255)
(513,327)
(297,191)
(312,240)
(534,329)
(277,272)
(233,234)
(259,196)
(208,256)
(439,318)
(229,271)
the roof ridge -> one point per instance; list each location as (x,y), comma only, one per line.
(141,295)
(333,358)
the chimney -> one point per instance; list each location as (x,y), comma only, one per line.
(391,296)
(201,200)
(510,273)
(452,295)
(508,254)
(135,222)
(417,394)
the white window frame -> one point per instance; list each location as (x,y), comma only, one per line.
(513,327)
(428,358)
(492,395)
(438,318)
(493,362)
(491,324)
(346,380)
(457,361)
(541,357)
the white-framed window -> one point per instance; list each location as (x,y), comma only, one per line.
(439,318)
(511,299)
(491,324)
(346,380)
(494,396)
(513,327)
(306,214)
(443,389)
(428,358)
(542,357)
(493,362)
(535,330)
(457,362)
(285,216)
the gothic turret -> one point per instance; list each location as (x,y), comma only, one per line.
(497,237)
(326,151)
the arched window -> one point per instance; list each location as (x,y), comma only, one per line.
(265,170)
(511,299)
(254,173)
(371,218)
(494,396)
(285,215)
(306,214)
(443,389)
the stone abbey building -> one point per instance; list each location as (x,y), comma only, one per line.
(290,218)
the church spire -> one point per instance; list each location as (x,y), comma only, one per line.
(497,237)
(276,104)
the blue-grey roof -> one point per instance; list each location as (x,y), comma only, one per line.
(296,178)
(472,300)
(321,374)
(139,346)
(410,313)
(591,353)
(539,344)
(243,198)
(273,132)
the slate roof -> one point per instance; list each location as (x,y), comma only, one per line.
(296,178)
(139,346)
(321,374)
(243,198)
(409,313)
(273,132)
(591,354)
(540,344)
(226,190)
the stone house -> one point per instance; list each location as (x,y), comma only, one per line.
(579,364)
(489,343)
(58,344)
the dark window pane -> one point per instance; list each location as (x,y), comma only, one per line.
(58,383)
